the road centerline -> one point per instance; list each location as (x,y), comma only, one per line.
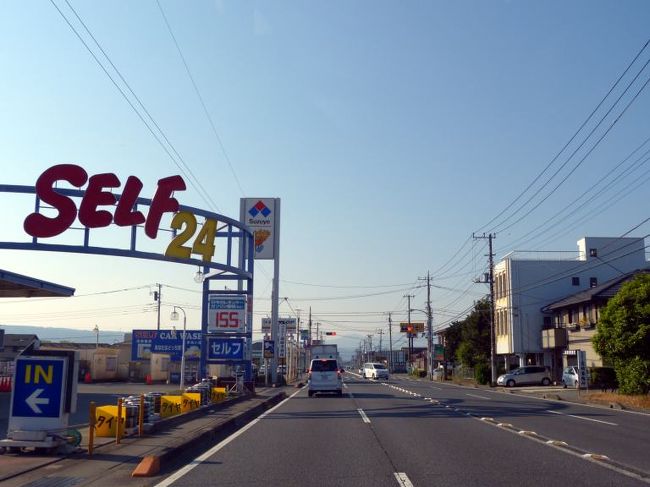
(403,480)
(582,417)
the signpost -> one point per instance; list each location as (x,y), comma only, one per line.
(44,395)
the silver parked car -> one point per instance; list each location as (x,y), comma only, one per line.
(570,377)
(529,375)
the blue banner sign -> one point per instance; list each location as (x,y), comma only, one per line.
(225,348)
(146,342)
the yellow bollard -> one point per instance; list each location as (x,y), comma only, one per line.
(92,420)
(119,420)
(141,416)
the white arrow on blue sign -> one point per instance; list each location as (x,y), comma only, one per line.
(38,390)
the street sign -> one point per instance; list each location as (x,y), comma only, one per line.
(226,312)
(269,348)
(225,348)
(289,324)
(411,327)
(39,387)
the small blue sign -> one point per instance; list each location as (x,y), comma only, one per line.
(269,348)
(225,348)
(38,391)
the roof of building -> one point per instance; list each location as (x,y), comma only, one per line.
(14,285)
(604,291)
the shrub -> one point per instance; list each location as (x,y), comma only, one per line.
(633,376)
(603,378)
(482,373)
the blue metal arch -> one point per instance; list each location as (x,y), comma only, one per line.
(242,272)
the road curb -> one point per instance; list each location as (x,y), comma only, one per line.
(151,464)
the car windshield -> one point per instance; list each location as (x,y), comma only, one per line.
(380,366)
(324,366)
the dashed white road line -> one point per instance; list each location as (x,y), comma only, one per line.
(403,480)
(582,417)
(480,397)
(363,416)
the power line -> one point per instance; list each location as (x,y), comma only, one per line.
(186,170)
(584,123)
(198,94)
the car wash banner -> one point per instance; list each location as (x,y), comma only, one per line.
(170,342)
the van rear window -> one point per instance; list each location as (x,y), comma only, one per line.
(324,366)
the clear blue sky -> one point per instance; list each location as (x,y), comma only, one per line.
(390,130)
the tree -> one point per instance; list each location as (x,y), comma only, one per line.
(623,335)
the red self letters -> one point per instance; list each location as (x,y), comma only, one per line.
(90,215)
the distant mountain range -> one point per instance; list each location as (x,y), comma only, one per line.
(52,334)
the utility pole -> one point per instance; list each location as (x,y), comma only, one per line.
(370,348)
(429,328)
(390,343)
(381,333)
(410,335)
(490,281)
(309,340)
(157,297)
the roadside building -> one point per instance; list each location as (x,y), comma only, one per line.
(525,282)
(574,321)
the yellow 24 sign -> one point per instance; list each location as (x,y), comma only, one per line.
(203,243)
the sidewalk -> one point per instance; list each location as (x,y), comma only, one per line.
(182,434)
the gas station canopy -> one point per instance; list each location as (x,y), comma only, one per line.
(14,285)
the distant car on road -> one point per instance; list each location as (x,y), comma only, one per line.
(529,375)
(375,370)
(325,376)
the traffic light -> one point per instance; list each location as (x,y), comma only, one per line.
(330,333)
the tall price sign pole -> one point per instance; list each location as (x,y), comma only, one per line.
(262,216)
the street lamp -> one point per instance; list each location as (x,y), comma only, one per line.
(174,316)
(96,330)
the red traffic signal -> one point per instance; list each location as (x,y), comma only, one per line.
(330,333)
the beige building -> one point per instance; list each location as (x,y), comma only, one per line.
(574,320)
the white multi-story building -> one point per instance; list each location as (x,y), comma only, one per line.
(525,282)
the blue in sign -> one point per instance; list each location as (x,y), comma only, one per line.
(38,388)
(225,348)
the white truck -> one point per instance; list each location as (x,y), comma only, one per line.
(324,351)
(324,371)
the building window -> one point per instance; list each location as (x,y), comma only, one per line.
(593,252)
(593,282)
(111,364)
(575,281)
(548,321)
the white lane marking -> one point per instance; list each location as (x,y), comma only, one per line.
(480,397)
(201,458)
(345,385)
(582,417)
(363,416)
(403,480)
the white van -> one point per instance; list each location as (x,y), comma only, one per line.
(325,376)
(375,370)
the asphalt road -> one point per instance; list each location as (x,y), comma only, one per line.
(423,434)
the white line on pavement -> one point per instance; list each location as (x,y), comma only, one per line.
(582,417)
(200,459)
(403,479)
(363,416)
(480,397)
